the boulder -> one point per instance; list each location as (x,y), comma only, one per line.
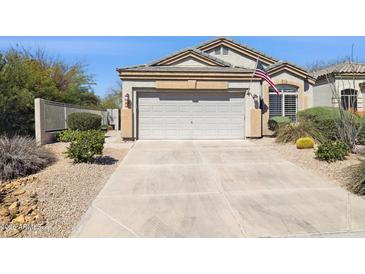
(20,219)
(13,208)
(19,192)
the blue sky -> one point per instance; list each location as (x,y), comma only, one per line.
(104,54)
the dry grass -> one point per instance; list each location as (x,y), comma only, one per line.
(19,157)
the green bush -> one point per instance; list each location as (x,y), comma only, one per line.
(292,132)
(305,142)
(68,135)
(83,121)
(278,121)
(323,119)
(85,146)
(26,74)
(332,151)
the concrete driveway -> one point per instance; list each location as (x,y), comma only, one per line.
(217,189)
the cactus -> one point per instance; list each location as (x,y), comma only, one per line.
(306,142)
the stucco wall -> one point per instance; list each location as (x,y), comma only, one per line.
(132,87)
(322,96)
(188,62)
(235,58)
(323,91)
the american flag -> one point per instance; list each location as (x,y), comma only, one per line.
(261,72)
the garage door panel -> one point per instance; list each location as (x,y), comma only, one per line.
(186,115)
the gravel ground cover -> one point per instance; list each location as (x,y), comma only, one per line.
(305,158)
(64,191)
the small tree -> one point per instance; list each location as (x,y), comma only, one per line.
(113,97)
(348,125)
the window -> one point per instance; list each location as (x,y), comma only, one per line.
(217,51)
(285,104)
(225,50)
(349,99)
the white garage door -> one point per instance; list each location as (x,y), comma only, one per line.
(187,115)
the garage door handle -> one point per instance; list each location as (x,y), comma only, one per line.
(191,122)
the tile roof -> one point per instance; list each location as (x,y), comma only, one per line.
(186,69)
(279,63)
(227,66)
(346,67)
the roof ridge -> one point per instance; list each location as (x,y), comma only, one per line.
(132,67)
(194,49)
(238,43)
(289,63)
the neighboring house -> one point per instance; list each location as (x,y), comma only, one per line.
(343,82)
(208,92)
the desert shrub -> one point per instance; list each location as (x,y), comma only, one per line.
(292,132)
(323,119)
(26,74)
(85,146)
(356,179)
(278,121)
(83,121)
(20,156)
(68,135)
(305,142)
(361,137)
(332,151)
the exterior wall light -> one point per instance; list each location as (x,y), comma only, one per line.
(126,100)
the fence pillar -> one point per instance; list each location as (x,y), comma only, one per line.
(65,114)
(126,123)
(40,131)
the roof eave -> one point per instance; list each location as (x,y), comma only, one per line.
(298,71)
(340,74)
(180,54)
(183,75)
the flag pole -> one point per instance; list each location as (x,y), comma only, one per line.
(253,74)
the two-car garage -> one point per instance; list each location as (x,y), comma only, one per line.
(190,115)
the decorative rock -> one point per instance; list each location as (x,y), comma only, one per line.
(16,184)
(39,219)
(13,207)
(28,219)
(19,192)
(20,219)
(4,212)
(28,210)
(6,220)
(8,186)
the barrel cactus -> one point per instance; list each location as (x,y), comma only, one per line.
(306,142)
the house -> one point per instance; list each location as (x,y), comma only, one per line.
(343,83)
(208,92)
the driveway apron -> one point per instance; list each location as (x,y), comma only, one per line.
(217,189)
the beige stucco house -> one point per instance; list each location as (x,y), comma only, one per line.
(208,92)
(343,83)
